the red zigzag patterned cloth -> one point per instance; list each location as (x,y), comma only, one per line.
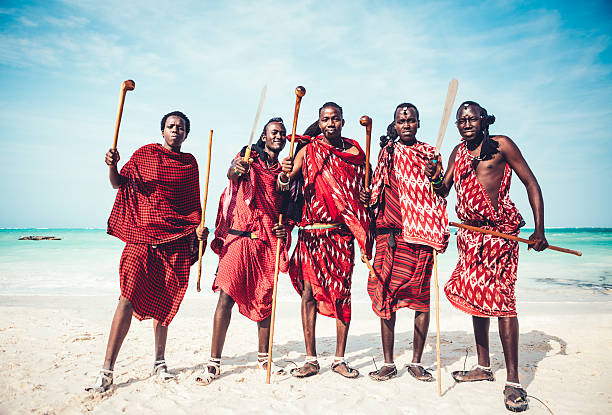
(156,211)
(325,257)
(424,217)
(484,279)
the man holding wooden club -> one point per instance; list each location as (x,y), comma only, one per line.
(329,171)
(410,223)
(484,280)
(156,213)
(246,232)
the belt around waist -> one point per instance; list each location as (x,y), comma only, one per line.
(328,225)
(387,231)
(478,222)
(246,234)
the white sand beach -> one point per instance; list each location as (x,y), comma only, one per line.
(51,347)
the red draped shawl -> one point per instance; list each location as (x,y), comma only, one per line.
(159,197)
(424,218)
(246,266)
(332,181)
(483,282)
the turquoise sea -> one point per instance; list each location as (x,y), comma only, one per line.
(85,262)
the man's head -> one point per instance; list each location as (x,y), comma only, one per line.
(274,135)
(330,120)
(473,120)
(406,122)
(175,128)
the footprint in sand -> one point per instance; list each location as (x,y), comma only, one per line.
(83,337)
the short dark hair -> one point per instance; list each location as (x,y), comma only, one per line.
(176,114)
(391,132)
(405,105)
(333,105)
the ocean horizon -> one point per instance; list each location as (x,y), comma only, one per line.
(85,262)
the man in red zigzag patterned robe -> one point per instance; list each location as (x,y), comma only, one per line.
(246,233)
(483,282)
(411,222)
(332,169)
(156,212)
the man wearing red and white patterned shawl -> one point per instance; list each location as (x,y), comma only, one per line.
(411,222)
(332,169)
(483,282)
(156,212)
(246,234)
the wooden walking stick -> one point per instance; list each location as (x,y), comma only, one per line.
(448,106)
(367,123)
(512,238)
(128,85)
(201,250)
(262,98)
(300,91)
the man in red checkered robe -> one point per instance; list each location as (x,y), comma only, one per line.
(411,222)
(156,212)
(246,235)
(331,169)
(483,282)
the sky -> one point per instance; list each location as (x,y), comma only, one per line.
(544,69)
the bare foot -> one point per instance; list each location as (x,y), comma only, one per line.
(309,369)
(418,372)
(515,399)
(342,368)
(384,373)
(473,375)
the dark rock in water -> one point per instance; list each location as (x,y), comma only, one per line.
(39,238)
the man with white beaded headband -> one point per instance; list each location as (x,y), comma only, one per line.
(483,281)
(411,222)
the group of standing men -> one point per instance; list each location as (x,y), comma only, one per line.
(322,191)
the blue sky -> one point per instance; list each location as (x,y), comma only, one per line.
(543,68)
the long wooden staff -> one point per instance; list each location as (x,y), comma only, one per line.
(448,106)
(300,91)
(262,98)
(128,85)
(512,238)
(201,250)
(367,123)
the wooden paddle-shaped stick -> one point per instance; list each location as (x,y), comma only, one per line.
(201,250)
(448,106)
(300,91)
(262,99)
(128,85)
(512,238)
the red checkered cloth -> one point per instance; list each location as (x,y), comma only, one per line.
(156,211)
(484,279)
(424,218)
(159,198)
(403,273)
(246,266)
(325,257)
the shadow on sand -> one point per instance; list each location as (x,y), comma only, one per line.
(534,347)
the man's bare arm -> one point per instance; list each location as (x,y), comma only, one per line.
(111,160)
(442,189)
(294,167)
(515,159)
(237,169)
